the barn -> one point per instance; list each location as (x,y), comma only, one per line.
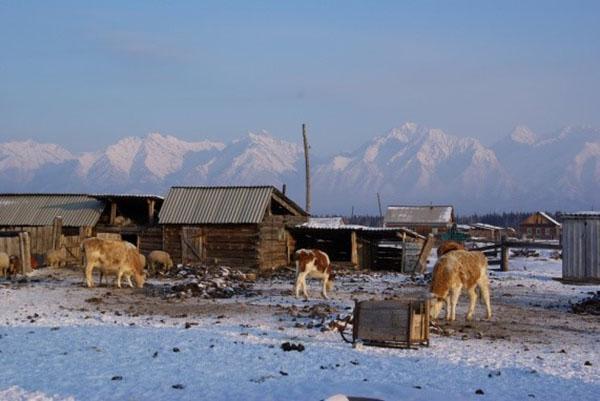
(432,219)
(62,219)
(541,226)
(581,246)
(370,248)
(238,226)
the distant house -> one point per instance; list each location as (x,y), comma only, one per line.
(234,226)
(489,232)
(422,219)
(540,225)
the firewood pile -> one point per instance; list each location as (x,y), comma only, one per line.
(588,306)
(209,282)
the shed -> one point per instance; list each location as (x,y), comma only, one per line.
(540,225)
(373,248)
(128,217)
(581,246)
(237,226)
(424,220)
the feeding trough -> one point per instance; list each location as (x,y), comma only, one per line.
(398,323)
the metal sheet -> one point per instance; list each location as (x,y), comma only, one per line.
(215,205)
(41,209)
(581,246)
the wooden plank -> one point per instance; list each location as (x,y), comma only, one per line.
(425,252)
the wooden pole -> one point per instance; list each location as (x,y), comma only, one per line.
(354,248)
(151,207)
(113,213)
(57,224)
(25,252)
(504,254)
(307,164)
(380,212)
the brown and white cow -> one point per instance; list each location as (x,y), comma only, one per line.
(453,272)
(449,246)
(313,263)
(112,257)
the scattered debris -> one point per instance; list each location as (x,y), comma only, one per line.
(479,391)
(287,346)
(178,386)
(206,282)
(589,305)
(114,378)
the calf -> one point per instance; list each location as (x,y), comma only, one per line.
(4,265)
(452,272)
(449,246)
(313,263)
(112,257)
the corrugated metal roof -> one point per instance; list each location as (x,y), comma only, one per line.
(584,214)
(418,215)
(76,210)
(215,205)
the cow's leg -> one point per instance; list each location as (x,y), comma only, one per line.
(448,307)
(129,281)
(298,284)
(484,286)
(455,294)
(89,280)
(119,276)
(472,302)
(325,288)
(302,277)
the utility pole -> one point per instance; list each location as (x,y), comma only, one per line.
(379,204)
(307,164)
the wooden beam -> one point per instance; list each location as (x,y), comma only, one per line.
(151,209)
(113,212)
(425,251)
(354,247)
(307,167)
(57,224)
(25,252)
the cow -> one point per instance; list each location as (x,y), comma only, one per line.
(4,265)
(158,259)
(449,246)
(112,257)
(56,257)
(453,272)
(313,263)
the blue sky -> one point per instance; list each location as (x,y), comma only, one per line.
(84,74)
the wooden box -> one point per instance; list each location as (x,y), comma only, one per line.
(392,323)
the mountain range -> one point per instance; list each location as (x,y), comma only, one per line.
(411,164)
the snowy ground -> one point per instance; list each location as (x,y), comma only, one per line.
(60,341)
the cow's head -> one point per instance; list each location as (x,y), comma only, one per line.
(435,306)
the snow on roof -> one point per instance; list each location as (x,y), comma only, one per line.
(486,226)
(550,219)
(311,224)
(324,222)
(590,213)
(433,214)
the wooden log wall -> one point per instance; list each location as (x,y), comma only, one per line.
(273,246)
(40,238)
(150,240)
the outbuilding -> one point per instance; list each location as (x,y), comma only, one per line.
(243,226)
(581,246)
(432,219)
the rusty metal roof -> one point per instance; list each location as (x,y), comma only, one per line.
(219,205)
(76,210)
(426,215)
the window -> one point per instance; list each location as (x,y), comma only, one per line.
(548,232)
(538,231)
(529,231)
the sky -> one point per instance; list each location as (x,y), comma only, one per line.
(85,74)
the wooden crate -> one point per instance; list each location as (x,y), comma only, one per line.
(392,323)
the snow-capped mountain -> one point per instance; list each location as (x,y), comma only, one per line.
(409,164)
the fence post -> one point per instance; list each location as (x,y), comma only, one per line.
(25,252)
(504,254)
(56,232)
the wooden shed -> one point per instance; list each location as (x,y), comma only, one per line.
(581,246)
(62,219)
(540,225)
(432,219)
(372,248)
(244,227)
